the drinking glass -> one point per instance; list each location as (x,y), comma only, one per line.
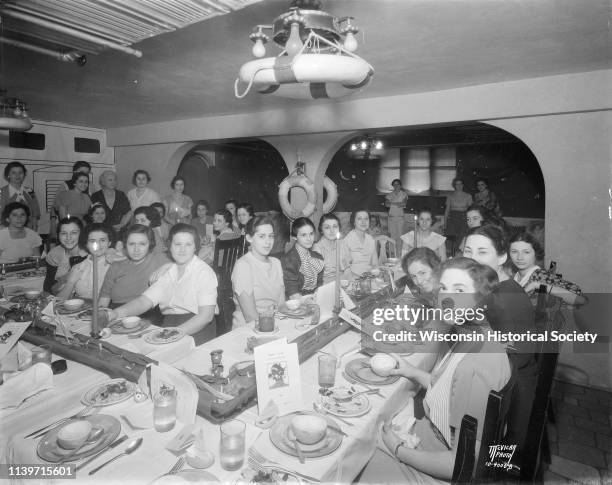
(231,446)
(266,320)
(327,370)
(164,410)
(42,353)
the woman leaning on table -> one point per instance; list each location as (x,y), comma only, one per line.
(186,292)
(302,267)
(128,279)
(257,279)
(62,258)
(422,266)
(360,245)
(459,384)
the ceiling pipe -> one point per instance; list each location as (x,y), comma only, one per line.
(74,33)
(60,56)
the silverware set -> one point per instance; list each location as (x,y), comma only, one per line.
(114,444)
(260,463)
(178,466)
(83,413)
(132,447)
(349,379)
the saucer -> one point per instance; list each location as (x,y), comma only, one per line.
(109,392)
(118,327)
(302,311)
(360,371)
(279,435)
(62,310)
(49,450)
(259,332)
(165,335)
(357,406)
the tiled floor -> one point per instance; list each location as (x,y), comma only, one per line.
(581,437)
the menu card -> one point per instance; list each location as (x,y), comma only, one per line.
(162,375)
(277,371)
(10,333)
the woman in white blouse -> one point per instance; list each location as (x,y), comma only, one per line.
(186,291)
(141,194)
(425,237)
(360,245)
(257,279)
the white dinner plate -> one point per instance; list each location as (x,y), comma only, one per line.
(165,335)
(109,392)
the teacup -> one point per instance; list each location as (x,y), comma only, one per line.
(293,304)
(73,434)
(32,294)
(382,364)
(130,322)
(74,304)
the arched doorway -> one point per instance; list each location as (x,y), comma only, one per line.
(195,168)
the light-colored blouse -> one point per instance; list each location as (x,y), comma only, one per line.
(84,286)
(327,249)
(362,253)
(434,241)
(262,279)
(178,208)
(148,197)
(13,249)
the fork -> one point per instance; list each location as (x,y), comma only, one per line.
(355,381)
(177,466)
(269,465)
(44,429)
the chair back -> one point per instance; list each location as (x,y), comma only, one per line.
(385,248)
(226,254)
(493,432)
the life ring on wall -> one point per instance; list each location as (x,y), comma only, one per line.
(332,195)
(297,180)
(306,76)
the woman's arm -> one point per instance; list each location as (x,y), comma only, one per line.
(246,302)
(408,371)
(291,274)
(374,257)
(441,251)
(73,278)
(125,220)
(50,278)
(196,323)
(437,464)
(135,307)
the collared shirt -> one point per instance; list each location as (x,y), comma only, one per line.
(327,249)
(362,253)
(175,296)
(148,197)
(84,286)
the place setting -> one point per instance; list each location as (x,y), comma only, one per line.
(129,325)
(165,335)
(372,371)
(72,306)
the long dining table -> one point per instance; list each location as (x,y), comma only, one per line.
(152,460)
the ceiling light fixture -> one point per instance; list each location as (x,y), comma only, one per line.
(364,147)
(317,58)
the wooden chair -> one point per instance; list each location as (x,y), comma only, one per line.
(385,248)
(226,254)
(493,432)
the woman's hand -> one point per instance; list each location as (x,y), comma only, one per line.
(403,368)
(76,273)
(390,438)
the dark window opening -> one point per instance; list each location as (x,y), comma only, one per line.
(22,139)
(86,145)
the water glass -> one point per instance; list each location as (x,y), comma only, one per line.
(232,444)
(266,320)
(42,353)
(164,410)
(315,311)
(327,370)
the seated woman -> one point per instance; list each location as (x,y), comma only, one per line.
(302,267)
(62,258)
(360,245)
(75,201)
(96,213)
(425,237)
(329,228)
(186,293)
(201,219)
(509,310)
(223,225)
(164,226)
(149,217)
(422,266)
(459,384)
(257,279)
(127,280)
(244,213)
(476,216)
(524,251)
(16,240)
(96,238)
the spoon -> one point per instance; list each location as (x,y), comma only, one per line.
(350,397)
(297,446)
(92,437)
(319,408)
(133,446)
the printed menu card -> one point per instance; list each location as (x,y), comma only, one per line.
(277,370)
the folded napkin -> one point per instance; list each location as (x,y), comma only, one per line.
(25,384)
(268,416)
(402,424)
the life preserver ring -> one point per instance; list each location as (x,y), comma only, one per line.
(307,76)
(332,195)
(304,182)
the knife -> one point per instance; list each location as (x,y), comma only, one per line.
(118,441)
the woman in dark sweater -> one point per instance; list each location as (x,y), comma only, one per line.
(302,267)
(508,310)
